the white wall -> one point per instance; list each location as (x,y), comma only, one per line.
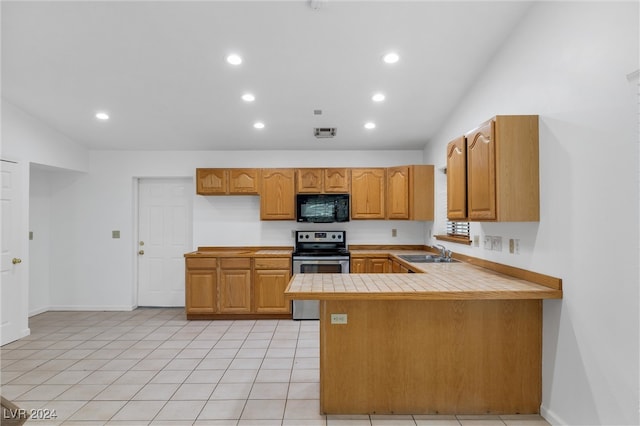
(40,243)
(87,207)
(37,147)
(568,62)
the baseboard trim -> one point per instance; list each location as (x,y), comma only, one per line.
(90,308)
(551,417)
(38,311)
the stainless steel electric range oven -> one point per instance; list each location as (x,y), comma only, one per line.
(318,252)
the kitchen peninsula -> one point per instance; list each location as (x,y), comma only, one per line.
(455,339)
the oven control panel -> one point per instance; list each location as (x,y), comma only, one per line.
(320,236)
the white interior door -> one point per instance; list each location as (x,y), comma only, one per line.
(164,231)
(13,306)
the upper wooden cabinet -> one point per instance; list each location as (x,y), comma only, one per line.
(368,193)
(457,179)
(277,194)
(333,180)
(337,180)
(503,170)
(410,192)
(227,181)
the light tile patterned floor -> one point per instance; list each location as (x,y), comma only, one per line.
(152,367)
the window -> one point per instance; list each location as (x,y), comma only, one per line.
(458,229)
(457,232)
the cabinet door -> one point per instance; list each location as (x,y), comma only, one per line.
(358,265)
(309,180)
(269,286)
(378,266)
(481,173)
(277,196)
(243,181)
(398,192)
(211,181)
(367,193)
(201,291)
(337,181)
(235,291)
(457,179)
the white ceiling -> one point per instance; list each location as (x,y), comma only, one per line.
(159,69)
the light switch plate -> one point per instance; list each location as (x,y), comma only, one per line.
(338,318)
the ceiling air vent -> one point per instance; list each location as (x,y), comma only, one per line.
(324,132)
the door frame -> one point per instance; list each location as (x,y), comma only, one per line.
(135,182)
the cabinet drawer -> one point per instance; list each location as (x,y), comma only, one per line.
(201,263)
(272,263)
(235,262)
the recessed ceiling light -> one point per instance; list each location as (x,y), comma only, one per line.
(258,125)
(248,97)
(102,116)
(391,58)
(234,59)
(370,125)
(378,97)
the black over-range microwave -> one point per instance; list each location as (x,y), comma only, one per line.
(322,208)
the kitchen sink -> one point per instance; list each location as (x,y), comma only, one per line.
(426,258)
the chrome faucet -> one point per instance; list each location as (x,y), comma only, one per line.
(443,250)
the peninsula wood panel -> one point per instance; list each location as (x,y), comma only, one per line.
(427,357)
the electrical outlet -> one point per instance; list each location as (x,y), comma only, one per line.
(488,242)
(338,318)
(115,234)
(496,243)
(511,245)
(516,246)
(394,232)
(293,233)
(30,235)
(476,240)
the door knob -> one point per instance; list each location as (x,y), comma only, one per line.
(16,260)
(141,252)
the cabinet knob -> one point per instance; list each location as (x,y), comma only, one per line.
(141,252)
(16,260)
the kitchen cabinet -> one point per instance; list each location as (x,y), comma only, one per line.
(227,181)
(457,179)
(410,192)
(398,268)
(277,194)
(503,170)
(201,286)
(369,265)
(271,277)
(332,180)
(337,180)
(235,285)
(368,193)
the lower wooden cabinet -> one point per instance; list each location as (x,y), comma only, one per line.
(271,277)
(369,265)
(237,287)
(201,286)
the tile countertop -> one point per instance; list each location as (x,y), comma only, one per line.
(240,252)
(439,281)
